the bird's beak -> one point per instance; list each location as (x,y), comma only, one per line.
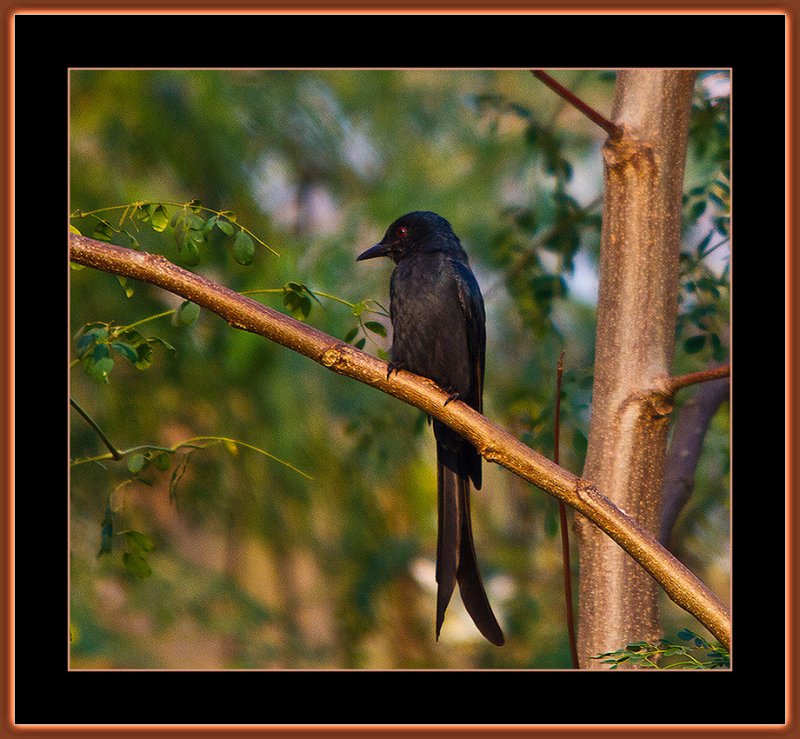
(379,250)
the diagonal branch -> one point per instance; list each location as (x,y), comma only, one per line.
(494,444)
(115,453)
(611,128)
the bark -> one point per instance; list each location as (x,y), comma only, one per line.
(494,444)
(637,308)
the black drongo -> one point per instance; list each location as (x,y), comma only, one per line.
(439,332)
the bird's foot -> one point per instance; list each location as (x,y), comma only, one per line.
(393,367)
(452,396)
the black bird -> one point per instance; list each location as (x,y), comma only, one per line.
(440,333)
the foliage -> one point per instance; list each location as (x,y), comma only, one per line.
(272,182)
(665,654)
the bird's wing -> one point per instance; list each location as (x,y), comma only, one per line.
(469,295)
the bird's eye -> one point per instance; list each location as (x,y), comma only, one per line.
(402,232)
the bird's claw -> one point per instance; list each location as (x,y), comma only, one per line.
(393,367)
(452,396)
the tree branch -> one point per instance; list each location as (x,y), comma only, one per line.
(562,516)
(611,128)
(715,373)
(115,454)
(493,443)
(688,434)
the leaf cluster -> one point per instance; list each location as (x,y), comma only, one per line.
(97,342)
(137,544)
(538,239)
(703,315)
(665,654)
(192,225)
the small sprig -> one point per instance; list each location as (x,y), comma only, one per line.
(298,297)
(192,223)
(139,457)
(700,655)
(367,329)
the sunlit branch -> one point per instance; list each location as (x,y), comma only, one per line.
(676,383)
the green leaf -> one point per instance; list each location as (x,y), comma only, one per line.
(136,564)
(694,344)
(139,542)
(351,334)
(126,350)
(177,476)
(295,299)
(195,236)
(187,314)
(106,533)
(136,463)
(89,338)
(162,461)
(99,363)
(190,254)
(158,217)
(375,327)
(144,356)
(123,281)
(74,230)
(103,232)
(156,340)
(225,227)
(195,222)
(209,224)
(243,248)
(697,210)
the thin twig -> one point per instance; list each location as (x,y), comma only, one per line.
(562,514)
(115,454)
(715,373)
(611,128)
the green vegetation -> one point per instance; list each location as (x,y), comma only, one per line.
(235,505)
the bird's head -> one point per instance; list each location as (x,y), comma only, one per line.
(413,233)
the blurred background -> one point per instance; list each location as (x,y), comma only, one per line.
(218,556)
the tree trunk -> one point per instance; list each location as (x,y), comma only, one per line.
(636,314)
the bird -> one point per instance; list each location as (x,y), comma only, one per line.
(439,332)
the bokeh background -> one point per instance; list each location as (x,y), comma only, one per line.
(221,557)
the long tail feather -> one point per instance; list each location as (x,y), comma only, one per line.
(456,560)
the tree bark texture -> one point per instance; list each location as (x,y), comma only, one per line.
(637,309)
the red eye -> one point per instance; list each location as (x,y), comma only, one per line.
(402,232)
